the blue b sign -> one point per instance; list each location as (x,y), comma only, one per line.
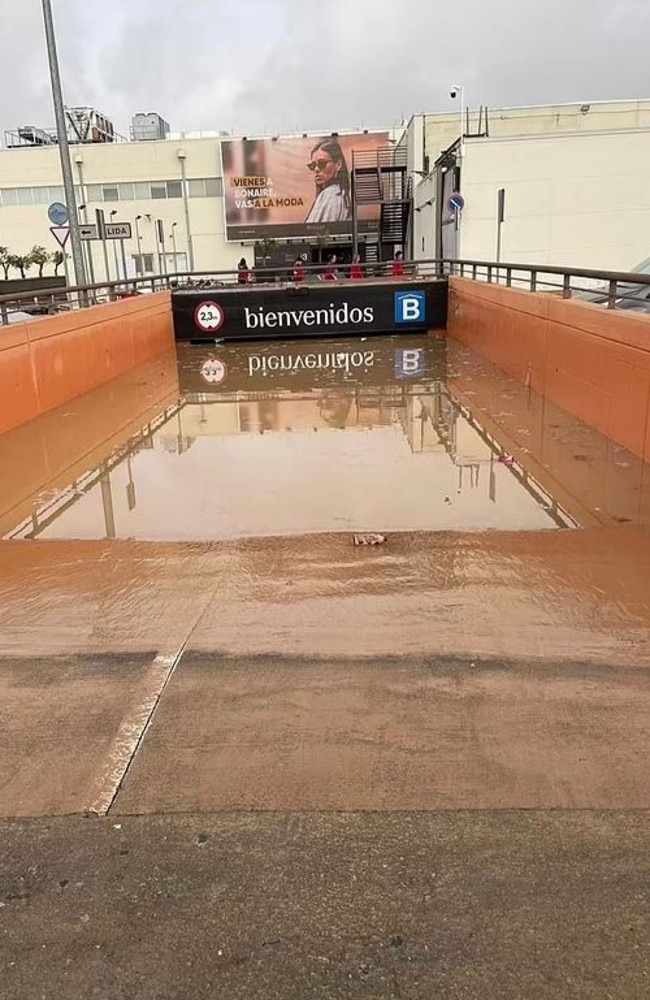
(411,308)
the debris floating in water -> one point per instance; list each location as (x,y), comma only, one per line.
(372,539)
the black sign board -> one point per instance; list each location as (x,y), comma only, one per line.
(350,309)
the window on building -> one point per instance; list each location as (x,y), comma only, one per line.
(175,263)
(205,187)
(201,187)
(143,264)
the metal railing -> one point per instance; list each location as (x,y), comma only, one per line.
(63,298)
(611,289)
(381,158)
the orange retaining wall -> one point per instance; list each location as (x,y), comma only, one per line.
(47,362)
(593,362)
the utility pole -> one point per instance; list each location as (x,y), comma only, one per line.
(64,149)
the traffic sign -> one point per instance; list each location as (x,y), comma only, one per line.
(209,316)
(61,234)
(118,230)
(113,230)
(456,203)
(58,213)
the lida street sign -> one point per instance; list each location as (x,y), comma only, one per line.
(114,231)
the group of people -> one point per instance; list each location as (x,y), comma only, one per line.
(332,270)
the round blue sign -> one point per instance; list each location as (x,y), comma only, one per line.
(58,214)
(456,203)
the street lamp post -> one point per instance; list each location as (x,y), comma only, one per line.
(83,211)
(458,90)
(182,157)
(173,239)
(117,266)
(138,240)
(64,149)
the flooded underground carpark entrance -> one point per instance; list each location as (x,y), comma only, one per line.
(260,758)
(291,438)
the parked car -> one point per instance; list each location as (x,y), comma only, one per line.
(630,295)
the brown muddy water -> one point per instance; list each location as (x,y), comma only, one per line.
(383,435)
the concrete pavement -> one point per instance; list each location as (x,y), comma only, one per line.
(457,906)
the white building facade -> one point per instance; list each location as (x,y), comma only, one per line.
(176,182)
(575,179)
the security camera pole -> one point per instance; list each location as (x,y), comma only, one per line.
(64,149)
(459,91)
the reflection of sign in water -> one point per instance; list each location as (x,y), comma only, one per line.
(299,366)
(333,361)
(410,307)
(209,316)
(213,371)
(410,363)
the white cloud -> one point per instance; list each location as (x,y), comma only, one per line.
(279,65)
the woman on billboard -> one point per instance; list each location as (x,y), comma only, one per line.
(332,180)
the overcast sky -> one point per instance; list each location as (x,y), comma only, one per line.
(285,65)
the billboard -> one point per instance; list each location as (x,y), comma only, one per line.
(294,186)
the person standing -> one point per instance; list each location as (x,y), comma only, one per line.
(356,270)
(243,273)
(331,271)
(298,273)
(398,265)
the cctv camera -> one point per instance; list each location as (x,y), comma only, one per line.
(453,92)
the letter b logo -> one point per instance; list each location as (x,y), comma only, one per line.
(410,307)
(410,363)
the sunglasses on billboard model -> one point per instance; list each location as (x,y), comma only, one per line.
(318,164)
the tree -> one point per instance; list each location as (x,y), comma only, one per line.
(20,262)
(57,259)
(40,256)
(4,261)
